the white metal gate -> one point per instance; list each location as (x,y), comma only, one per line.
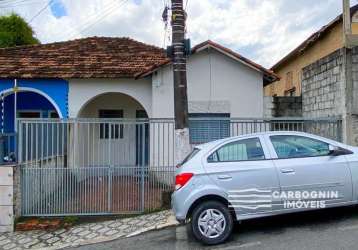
(91,167)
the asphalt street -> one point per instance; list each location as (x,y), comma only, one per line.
(324,229)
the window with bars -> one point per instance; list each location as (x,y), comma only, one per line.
(108,130)
(206,127)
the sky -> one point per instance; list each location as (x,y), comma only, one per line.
(261,30)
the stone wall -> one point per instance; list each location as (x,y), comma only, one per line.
(287,106)
(6,198)
(323,87)
(282,106)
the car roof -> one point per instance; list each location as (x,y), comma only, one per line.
(258,134)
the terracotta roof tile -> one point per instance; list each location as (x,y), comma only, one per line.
(93,57)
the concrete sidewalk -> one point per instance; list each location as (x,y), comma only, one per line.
(87,233)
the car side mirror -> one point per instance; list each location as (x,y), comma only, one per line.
(336,151)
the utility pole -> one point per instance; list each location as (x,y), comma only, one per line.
(350,104)
(180,81)
(347,24)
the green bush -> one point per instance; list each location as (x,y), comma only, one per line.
(14,31)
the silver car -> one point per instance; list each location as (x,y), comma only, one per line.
(261,175)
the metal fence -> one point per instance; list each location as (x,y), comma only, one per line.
(208,129)
(117,166)
(8,148)
(95,166)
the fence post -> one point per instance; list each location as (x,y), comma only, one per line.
(142,166)
(339,130)
(2,149)
(109,168)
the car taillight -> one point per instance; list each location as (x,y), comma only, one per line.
(182,179)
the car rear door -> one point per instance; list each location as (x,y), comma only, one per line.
(243,170)
(307,172)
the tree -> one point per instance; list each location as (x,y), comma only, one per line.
(15,31)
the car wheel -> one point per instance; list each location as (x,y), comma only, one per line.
(211,222)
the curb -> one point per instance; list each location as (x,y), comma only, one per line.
(171,221)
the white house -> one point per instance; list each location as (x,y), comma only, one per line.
(126,162)
(100,73)
(220,81)
(100,77)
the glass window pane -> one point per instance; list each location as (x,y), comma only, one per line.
(29,114)
(292,146)
(243,150)
(190,155)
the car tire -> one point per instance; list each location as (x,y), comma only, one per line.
(211,222)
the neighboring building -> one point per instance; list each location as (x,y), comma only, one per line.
(329,89)
(320,44)
(102,77)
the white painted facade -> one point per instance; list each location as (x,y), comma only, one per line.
(217,83)
(83,91)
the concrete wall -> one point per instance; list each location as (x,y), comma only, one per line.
(93,151)
(324,92)
(6,199)
(115,101)
(216,84)
(282,106)
(82,91)
(268,108)
(323,87)
(353,95)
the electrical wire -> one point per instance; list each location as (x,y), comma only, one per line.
(9,5)
(106,15)
(186,5)
(90,19)
(40,11)
(166,28)
(107,11)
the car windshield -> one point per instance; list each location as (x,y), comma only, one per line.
(190,156)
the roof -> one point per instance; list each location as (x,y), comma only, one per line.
(98,57)
(312,39)
(93,57)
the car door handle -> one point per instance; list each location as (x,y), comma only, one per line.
(287,170)
(224,177)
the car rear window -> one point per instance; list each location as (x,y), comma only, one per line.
(190,155)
